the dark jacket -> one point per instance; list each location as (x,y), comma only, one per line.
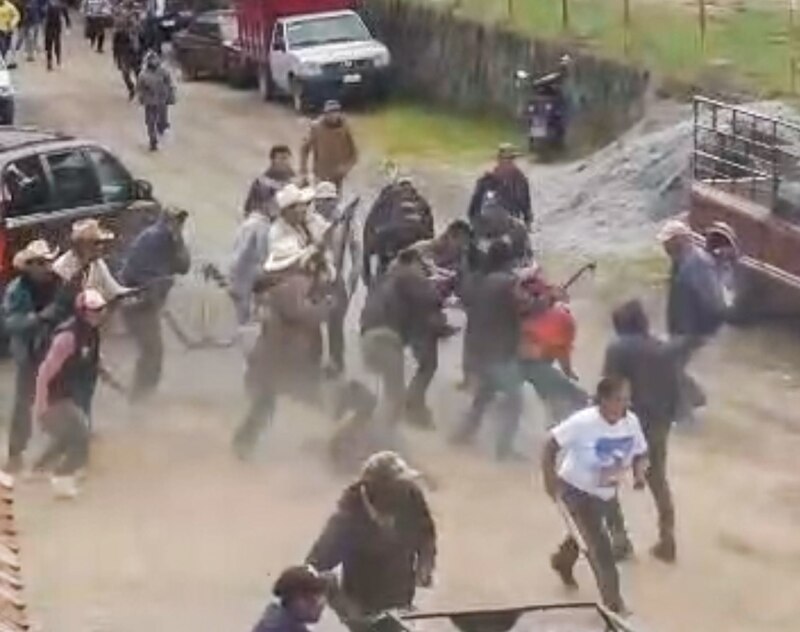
(512,190)
(501,227)
(127,51)
(494,310)
(694,305)
(378,564)
(399,218)
(406,302)
(77,379)
(652,368)
(277,619)
(262,192)
(56,16)
(156,255)
(30,313)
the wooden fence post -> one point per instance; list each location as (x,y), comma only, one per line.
(565,15)
(626,22)
(702,18)
(510,10)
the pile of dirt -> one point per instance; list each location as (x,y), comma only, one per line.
(613,201)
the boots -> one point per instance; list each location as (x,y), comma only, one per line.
(665,550)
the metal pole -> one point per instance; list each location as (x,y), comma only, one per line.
(702,24)
(626,19)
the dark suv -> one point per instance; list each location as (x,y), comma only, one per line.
(48,180)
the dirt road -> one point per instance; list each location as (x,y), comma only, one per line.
(173,534)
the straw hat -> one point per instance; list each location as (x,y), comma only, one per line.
(292,195)
(38,249)
(90,230)
(326,191)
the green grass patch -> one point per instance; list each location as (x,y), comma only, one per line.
(404,129)
(754,40)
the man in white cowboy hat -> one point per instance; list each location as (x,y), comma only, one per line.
(695,305)
(383,536)
(344,245)
(82,267)
(31,309)
(288,354)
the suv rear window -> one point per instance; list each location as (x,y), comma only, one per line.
(74,180)
(25,183)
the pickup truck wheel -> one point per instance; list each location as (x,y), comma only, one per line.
(299,100)
(266,86)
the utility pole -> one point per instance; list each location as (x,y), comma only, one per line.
(703,17)
(565,15)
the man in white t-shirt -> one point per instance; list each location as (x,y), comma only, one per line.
(597,446)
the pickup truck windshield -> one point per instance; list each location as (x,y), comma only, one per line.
(331,30)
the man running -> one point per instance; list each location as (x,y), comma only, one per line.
(584,462)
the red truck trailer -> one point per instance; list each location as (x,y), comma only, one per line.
(310,50)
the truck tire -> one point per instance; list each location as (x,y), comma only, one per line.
(299,99)
(266,87)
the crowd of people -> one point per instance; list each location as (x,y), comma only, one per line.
(299,256)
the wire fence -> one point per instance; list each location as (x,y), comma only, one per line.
(758,40)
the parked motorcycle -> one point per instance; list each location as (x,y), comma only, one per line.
(543,112)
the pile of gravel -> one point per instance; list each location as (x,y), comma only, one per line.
(613,201)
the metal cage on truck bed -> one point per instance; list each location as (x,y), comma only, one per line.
(751,155)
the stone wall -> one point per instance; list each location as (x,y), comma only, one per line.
(458,62)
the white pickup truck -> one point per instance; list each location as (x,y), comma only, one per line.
(311,55)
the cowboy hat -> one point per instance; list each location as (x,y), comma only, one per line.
(292,195)
(90,230)
(35,250)
(326,191)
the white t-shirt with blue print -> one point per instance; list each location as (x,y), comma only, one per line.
(595,453)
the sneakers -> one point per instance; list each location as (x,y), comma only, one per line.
(565,572)
(64,487)
(665,551)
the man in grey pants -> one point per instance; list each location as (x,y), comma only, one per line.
(156,91)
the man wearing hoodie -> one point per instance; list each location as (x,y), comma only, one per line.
(156,91)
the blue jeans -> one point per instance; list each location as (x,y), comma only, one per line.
(503,378)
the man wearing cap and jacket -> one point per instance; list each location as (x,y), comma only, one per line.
(287,357)
(695,305)
(383,536)
(156,256)
(508,183)
(300,593)
(32,307)
(330,143)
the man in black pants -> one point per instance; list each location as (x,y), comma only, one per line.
(599,445)
(652,368)
(56,17)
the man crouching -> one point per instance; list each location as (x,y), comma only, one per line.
(383,536)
